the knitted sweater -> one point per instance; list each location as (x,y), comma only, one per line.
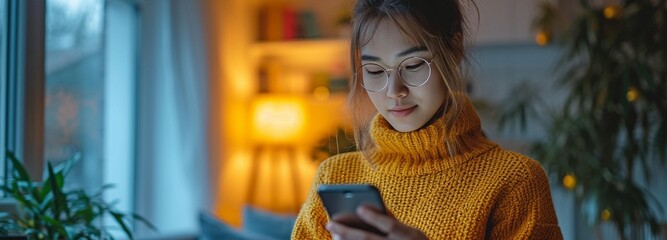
(483,192)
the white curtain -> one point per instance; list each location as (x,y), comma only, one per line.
(171,177)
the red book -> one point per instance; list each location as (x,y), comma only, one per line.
(289,24)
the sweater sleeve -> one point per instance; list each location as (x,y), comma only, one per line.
(312,217)
(526,211)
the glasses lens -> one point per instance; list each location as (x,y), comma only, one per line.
(415,71)
(374,77)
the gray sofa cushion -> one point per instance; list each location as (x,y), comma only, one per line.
(278,226)
(213,228)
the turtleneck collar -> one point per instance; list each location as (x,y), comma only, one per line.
(425,150)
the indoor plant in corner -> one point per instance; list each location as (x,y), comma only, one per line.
(610,134)
(47,210)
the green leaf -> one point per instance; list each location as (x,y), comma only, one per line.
(60,201)
(145,221)
(46,187)
(20,173)
(86,214)
(55,225)
(22,200)
(119,219)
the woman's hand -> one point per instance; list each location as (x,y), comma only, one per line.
(383,222)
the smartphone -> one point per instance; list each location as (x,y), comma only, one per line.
(341,202)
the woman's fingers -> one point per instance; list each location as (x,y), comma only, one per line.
(384,223)
(388,224)
(340,231)
(381,221)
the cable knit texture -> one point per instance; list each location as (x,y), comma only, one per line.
(482,192)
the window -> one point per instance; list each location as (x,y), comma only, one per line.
(74,87)
(77,99)
(91,48)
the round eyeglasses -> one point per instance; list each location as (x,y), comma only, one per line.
(414,71)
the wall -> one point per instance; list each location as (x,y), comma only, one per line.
(501,22)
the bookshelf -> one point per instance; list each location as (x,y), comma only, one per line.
(313,69)
(299,53)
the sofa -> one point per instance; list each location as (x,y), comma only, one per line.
(256,224)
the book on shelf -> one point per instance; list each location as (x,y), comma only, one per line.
(270,73)
(281,22)
(289,27)
(308,25)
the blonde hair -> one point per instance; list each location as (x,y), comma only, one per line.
(437,24)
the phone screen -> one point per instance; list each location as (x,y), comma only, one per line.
(342,200)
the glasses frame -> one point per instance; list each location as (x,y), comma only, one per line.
(386,71)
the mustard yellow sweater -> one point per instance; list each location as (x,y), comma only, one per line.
(484,192)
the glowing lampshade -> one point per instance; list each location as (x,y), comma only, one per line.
(278,119)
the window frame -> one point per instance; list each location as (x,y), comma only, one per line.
(23,107)
(3,86)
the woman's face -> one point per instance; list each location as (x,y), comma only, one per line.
(406,108)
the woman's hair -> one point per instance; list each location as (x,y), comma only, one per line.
(439,25)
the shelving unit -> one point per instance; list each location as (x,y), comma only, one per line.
(299,67)
(306,53)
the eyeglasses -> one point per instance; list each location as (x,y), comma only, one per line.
(414,71)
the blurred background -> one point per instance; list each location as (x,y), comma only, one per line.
(210,106)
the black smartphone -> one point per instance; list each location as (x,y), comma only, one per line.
(341,202)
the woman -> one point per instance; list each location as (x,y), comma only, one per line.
(420,139)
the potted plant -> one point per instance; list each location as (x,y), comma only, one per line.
(613,123)
(48,210)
